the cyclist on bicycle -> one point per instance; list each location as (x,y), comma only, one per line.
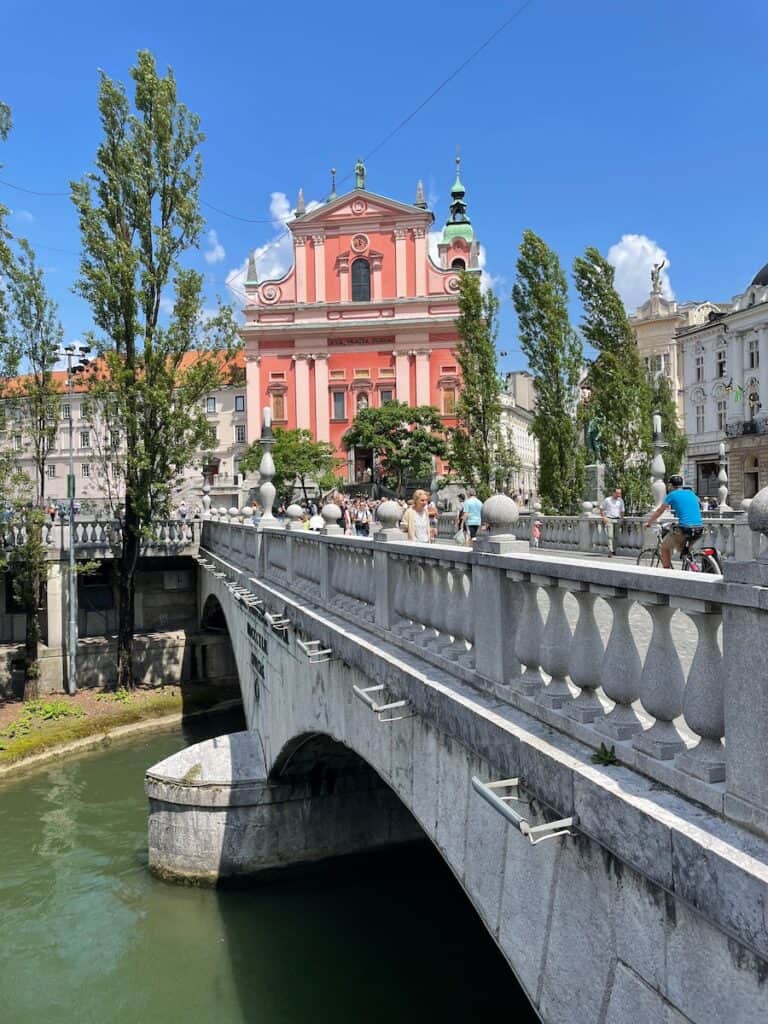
(689,525)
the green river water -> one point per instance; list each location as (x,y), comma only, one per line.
(88,936)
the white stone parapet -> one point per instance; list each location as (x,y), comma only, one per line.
(629,656)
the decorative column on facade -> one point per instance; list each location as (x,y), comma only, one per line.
(322,413)
(422,376)
(301,361)
(319,243)
(253,390)
(736,367)
(300,247)
(403,376)
(762,350)
(420,247)
(401,265)
(343,268)
(377,291)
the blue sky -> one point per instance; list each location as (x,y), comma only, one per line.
(586,122)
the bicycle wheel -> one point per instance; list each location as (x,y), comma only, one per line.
(710,564)
(650,558)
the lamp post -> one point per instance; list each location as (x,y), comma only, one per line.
(76,363)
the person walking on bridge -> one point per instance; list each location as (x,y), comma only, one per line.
(612,514)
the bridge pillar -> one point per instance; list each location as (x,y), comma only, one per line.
(213,815)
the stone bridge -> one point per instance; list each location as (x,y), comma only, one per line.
(585,744)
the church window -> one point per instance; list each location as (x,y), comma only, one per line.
(386,396)
(278,407)
(449,402)
(362,374)
(338,374)
(458,264)
(339,411)
(361,281)
(387,371)
(447,369)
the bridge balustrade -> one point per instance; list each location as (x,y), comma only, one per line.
(627,657)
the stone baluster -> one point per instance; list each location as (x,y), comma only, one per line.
(433,611)
(528,635)
(555,645)
(458,620)
(586,656)
(621,668)
(703,697)
(722,479)
(414,599)
(661,683)
(658,468)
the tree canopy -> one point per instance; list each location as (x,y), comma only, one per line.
(404,438)
(297,456)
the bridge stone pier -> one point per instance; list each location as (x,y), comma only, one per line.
(632,890)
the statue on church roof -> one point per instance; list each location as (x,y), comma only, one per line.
(360,174)
(656,270)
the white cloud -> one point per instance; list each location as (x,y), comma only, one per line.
(166,304)
(487,281)
(217,252)
(632,258)
(23,216)
(274,258)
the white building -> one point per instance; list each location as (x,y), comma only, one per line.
(96,455)
(517,404)
(725,373)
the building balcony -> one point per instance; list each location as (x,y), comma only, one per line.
(742,427)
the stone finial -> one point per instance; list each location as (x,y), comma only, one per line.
(420,201)
(331,515)
(294,513)
(389,514)
(252,276)
(658,468)
(301,207)
(757,516)
(267,470)
(722,479)
(587,507)
(500,514)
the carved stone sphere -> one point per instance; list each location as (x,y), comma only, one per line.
(389,514)
(757,516)
(500,514)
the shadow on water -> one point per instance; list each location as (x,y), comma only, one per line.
(381,937)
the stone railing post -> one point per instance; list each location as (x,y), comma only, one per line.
(384,567)
(585,527)
(496,602)
(331,515)
(294,513)
(745,656)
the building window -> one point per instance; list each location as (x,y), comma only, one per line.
(361,281)
(278,407)
(449,402)
(276,376)
(721,362)
(17,442)
(85,470)
(699,419)
(66,411)
(362,374)
(239,403)
(114,440)
(722,408)
(338,374)
(699,369)
(665,362)
(50,470)
(387,371)
(448,369)
(754,354)
(458,264)
(85,439)
(339,410)
(210,405)
(386,396)
(240,433)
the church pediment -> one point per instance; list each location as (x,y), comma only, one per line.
(359,204)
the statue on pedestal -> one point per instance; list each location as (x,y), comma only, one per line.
(656,270)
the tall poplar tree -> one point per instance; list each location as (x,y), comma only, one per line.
(620,399)
(139,214)
(478,453)
(554,354)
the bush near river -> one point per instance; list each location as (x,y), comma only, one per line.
(28,728)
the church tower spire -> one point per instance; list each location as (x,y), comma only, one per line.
(458,224)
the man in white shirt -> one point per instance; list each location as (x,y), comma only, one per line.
(612,512)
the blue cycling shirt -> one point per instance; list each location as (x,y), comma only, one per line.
(473,509)
(686,507)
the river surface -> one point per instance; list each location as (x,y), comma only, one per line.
(89,936)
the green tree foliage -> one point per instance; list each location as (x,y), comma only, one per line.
(478,453)
(34,334)
(554,355)
(404,438)
(297,456)
(663,401)
(619,402)
(139,215)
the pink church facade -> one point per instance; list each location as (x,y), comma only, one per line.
(364,316)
